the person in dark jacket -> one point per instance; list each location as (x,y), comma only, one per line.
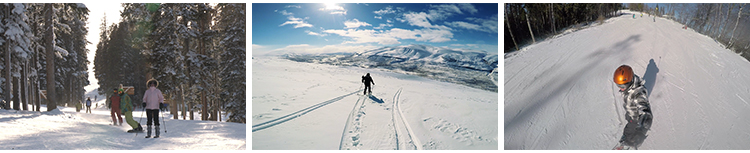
(367,80)
(115,111)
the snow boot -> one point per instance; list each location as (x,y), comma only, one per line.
(148,133)
(157,132)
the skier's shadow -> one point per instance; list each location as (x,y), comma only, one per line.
(375,99)
(650,76)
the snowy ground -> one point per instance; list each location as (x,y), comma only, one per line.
(559,93)
(66,129)
(316,106)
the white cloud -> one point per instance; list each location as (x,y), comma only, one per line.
(334,9)
(378,17)
(387,10)
(468,7)
(390,37)
(381,26)
(486,25)
(308,49)
(388,20)
(420,19)
(465,25)
(297,22)
(297,6)
(314,33)
(355,24)
(284,12)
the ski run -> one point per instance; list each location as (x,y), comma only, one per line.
(559,93)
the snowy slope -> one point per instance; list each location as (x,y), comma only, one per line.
(559,93)
(299,105)
(468,67)
(65,129)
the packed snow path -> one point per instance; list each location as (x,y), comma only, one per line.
(70,130)
(559,92)
(404,112)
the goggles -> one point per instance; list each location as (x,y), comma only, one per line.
(624,86)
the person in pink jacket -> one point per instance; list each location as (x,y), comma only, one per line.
(153,100)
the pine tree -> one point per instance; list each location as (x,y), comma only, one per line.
(231,26)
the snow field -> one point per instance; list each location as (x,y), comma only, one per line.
(282,87)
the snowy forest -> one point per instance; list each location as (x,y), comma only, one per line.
(196,51)
(727,23)
(42,42)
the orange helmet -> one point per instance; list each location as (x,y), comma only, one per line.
(623,75)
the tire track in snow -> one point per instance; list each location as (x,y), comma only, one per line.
(296,114)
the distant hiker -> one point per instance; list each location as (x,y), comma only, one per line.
(115,108)
(153,100)
(88,105)
(367,80)
(127,108)
(95,97)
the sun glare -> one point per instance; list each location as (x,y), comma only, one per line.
(331,6)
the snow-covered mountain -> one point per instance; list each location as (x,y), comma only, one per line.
(559,93)
(467,67)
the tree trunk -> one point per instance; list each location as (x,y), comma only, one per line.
(16,97)
(510,31)
(204,108)
(552,11)
(729,10)
(182,103)
(529,24)
(7,68)
(24,89)
(739,14)
(51,104)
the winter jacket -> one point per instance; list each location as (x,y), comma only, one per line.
(88,102)
(115,102)
(153,98)
(125,104)
(367,80)
(636,100)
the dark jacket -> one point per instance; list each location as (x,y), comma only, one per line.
(367,80)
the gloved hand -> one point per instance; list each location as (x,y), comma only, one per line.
(144,105)
(161,105)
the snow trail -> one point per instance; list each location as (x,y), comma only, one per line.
(296,114)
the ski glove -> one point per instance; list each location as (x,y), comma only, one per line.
(143,104)
(161,105)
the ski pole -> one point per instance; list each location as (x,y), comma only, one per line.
(165,123)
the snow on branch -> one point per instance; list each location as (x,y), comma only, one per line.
(60,51)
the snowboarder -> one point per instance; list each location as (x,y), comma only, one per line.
(636,104)
(153,101)
(88,105)
(367,80)
(115,108)
(127,108)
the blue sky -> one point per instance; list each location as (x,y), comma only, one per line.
(353,27)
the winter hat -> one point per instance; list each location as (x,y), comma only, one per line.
(152,81)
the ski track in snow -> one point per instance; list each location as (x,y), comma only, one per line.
(556,97)
(296,114)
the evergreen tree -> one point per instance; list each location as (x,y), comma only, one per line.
(231,27)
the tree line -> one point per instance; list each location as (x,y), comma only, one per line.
(196,51)
(42,42)
(527,23)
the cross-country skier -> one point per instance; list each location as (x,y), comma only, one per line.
(636,104)
(367,80)
(114,104)
(127,108)
(153,100)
